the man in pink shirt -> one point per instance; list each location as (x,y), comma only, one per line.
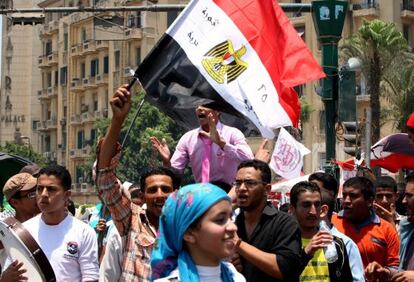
(225,147)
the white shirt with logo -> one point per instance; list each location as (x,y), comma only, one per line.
(71,247)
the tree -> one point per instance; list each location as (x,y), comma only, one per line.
(25,151)
(399,89)
(377,44)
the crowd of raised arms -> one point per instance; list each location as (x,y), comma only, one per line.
(221,228)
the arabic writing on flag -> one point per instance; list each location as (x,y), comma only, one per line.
(244,54)
(287,157)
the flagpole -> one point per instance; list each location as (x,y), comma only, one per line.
(131,83)
(133,121)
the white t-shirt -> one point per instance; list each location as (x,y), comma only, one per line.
(206,274)
(71,247)
(111,264)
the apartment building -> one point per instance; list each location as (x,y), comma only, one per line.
(85,57)
(20,80)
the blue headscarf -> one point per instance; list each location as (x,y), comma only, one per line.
(180,210)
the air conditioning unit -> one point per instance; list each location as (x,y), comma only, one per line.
(84,187)
(98,77)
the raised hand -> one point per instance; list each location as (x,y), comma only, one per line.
(121,103)
(213,133)
(162,148)
(384,213)
(262,153)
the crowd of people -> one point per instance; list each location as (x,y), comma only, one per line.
(221,228)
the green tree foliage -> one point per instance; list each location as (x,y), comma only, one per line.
(25,151)
(137,154)
(377,44)
(399,89)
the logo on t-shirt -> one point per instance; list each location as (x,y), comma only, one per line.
(72,247)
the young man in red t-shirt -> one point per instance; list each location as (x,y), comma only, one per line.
(376,238)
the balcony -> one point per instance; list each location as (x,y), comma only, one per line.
(52,92)
(133,34)
(102,79)
(75,119)
(42,61)
(368,10)
(87,117)
(75,50)
(89,82)
(42,126)
(88,47)
(76,85)
(52,59)
(53,26)
(51,124)
(75,153)
(42,95)
(407,10)
(102,45)
(49,155)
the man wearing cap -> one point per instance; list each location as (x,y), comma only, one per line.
(410,128)
(213,150)
(20,192)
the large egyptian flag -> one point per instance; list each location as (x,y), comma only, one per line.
(241,56)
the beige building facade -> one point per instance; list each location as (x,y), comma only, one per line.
(77,60)
(20,81)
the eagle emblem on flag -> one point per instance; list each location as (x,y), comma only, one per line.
(223,63)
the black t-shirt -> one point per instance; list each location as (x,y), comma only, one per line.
(278,233)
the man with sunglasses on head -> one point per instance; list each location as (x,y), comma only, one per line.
(20,192)
(269,241)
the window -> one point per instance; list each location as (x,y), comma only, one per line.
(82,70)
(117,56)
(48,48)
(56,78)
(49,79)
(63,75)
(131,21)
(80,139)
(406,32)
(95,102)
(106,64)
(138,19)
(171,16)
(94,67)
(93,135)
(47,143)
(138,56)
(65,41)
(34,124)
(84,36)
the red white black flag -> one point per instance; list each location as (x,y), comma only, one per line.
(244,55)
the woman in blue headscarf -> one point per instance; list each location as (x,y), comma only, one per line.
(195,235)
